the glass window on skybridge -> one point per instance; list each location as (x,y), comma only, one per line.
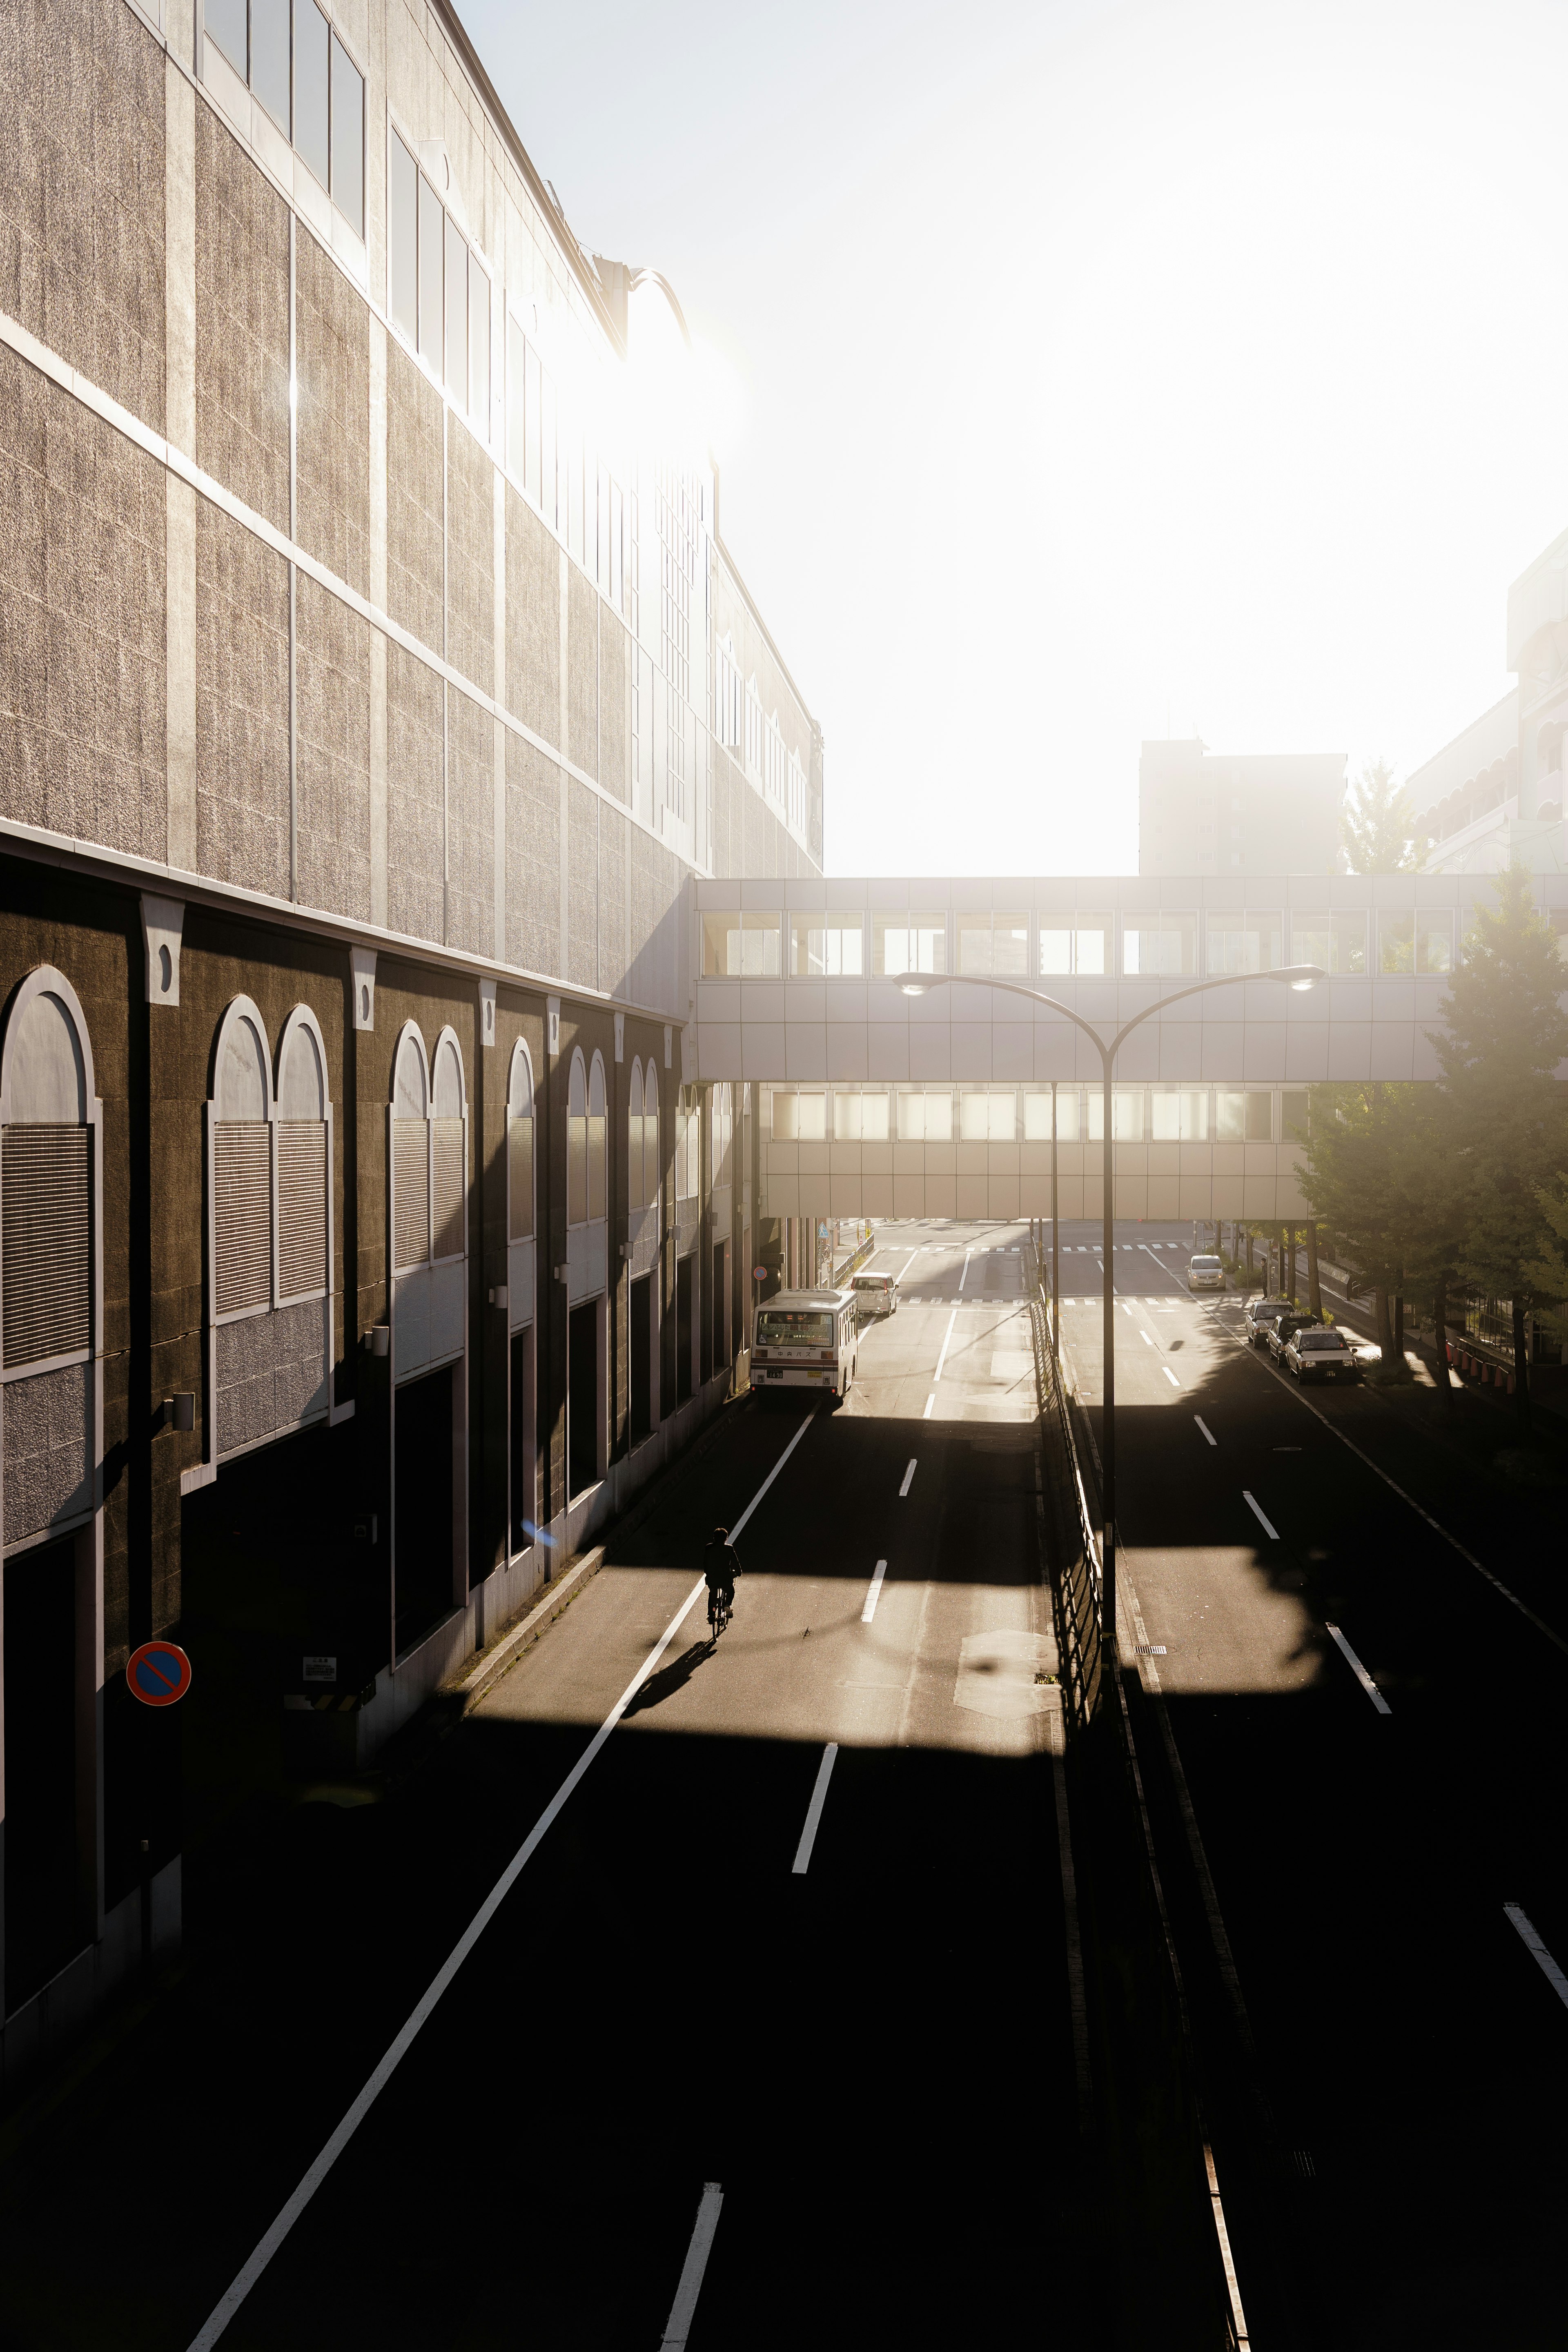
(988,1115)
(904,943)
(1128,1114)
(1243,942)
(993,947)
(826,946)
(1179,1115)
(1159,945)
(1082,944)
(925,1117)
(1335,941)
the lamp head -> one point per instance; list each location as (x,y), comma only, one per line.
(1307,976)
(914,987)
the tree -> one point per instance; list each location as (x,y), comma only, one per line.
(1504,1127)
(1365,1176)
(1377,825)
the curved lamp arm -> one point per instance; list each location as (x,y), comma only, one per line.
(1294,975)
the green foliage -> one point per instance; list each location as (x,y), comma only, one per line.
(1431,1185)
(1377,825)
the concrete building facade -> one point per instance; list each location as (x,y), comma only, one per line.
(1208,813)
(373,681)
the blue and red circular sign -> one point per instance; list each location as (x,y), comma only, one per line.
(158,1673)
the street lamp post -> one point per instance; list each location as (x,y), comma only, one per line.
(1300,976)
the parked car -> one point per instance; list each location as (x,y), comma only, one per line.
(1206,1273)
(874,1293)
(1259,1313)
(1284,1327)
(1310,1353)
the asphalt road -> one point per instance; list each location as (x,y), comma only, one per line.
(872,2054)
(1386,2058)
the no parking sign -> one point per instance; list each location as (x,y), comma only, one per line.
(158,1673)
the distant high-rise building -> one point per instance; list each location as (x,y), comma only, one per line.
(1201,812)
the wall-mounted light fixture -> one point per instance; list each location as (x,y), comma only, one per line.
(179,1412)
(378,1338)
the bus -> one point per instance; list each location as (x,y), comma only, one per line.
(806,1339)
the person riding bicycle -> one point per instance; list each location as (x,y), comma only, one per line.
(720,1563)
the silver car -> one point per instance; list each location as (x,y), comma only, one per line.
(1206,1273)
(874,1293)
(1313,1354)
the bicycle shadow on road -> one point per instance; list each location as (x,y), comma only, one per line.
(670,1678)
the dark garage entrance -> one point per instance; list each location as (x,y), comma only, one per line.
(423,1573)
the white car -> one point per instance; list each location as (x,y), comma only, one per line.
(1206,1273)
(874,1293)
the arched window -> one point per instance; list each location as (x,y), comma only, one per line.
(577,1142)
(637,1197)
(270,1231)
(48,1220)
(598,1164)
(688,1144)
(520,1145)
(410,1153)
(448,1152)
(650,1137)
(304,1159)
(242,1164)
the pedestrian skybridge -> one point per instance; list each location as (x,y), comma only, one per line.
(876,1103)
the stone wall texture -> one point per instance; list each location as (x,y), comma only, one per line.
(242,706)
(82,698)
(532,620)
(532,858)
(331,334)
(581,885)
(415,800)
(331,667)
(470,827)
(413,499)
(470,557)
(81,190)
(242,325)
(583,673)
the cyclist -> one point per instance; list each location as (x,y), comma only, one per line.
(720,1563)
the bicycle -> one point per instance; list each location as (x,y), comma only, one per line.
(718,1610)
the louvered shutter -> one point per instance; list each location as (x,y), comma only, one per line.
(411,1192)
(448,1134)
(242,1214)
(302,1206)
(520,1176)
(47,1235)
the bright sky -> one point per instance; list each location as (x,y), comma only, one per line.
(1100,371)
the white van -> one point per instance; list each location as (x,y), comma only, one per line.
(805,1340)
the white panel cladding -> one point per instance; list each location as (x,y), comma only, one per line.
(519,1285)
(448,1290)
(687,1217)
(587,1260)
(411,1322)
(273,1373)
(642,1240)
(427,1320)
(49,1450)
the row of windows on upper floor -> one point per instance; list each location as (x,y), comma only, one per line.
(740,725)
(295,62)
(767,945)
(993,1114)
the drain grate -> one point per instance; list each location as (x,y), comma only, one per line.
(1150,1650)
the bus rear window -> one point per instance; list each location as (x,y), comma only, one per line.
(782,1326)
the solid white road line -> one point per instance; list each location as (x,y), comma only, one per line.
(870,1611)
(683,2310)
(1358,1670)
(1206,1430)
(773,1474)
(947,1336)
(1146,1339)
(964,1276)
(1260,1515)
(398,2049)
(1533,1943)
(813,1811)
(1171,1376)
(930,1406)
(908,1477)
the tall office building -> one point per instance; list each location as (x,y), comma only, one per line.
(1201,812)
(373,681)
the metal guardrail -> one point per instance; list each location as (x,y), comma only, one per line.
(1080,1584)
